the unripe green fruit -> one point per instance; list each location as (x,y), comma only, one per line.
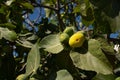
(69,31)
(64,38)
(22,77)
(118,78)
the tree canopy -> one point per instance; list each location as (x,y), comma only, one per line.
(30,45)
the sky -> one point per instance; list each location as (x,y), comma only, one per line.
(114,35)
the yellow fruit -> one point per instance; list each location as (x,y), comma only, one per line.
(69,31)
(64,38)
(77,39)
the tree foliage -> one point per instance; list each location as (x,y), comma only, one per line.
(30,47)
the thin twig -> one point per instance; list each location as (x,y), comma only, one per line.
(45,6)
(61,27)
(65,5)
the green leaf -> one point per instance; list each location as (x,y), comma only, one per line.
(76,9)
(48,2)
(27,5)
(81,8)
(86,12)
(51,43)
(22,77)
(33,59)
(24,43)
(100,4)
(9,2)
(89,18)
(3,9)
(95,47)
(64,75)
(89,62)
(63,60)
(118,78)
(28,36)
(115,22)
(94,59)
(32,79)
(8,25)
(47,11)
(7,34)
(104,77)
(32,37)
(83,49)
(106,23)
(107,47)
(110,13)
(24,39)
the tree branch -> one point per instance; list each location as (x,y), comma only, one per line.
(45,6)
(65,5)
(57,10)
(114,40)
(62,25)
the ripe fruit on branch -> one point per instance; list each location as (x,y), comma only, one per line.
(77,39)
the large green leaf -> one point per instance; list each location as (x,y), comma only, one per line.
(8,25)
(24,43)
(28,36)
(51,43)
(3,9)
(86,12)
(33,59)
(24,39)
(104,77)
(89,62)
(101,3)
(64,75)
(110,13)
(80,8)
(22,77)
(27,5)
(95,49)
(7,34)
(115,22)
(32,37)
(47,11)
(89,18)
(113,15)
(9,2)
(106,23)
(108,47)
(94,59)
